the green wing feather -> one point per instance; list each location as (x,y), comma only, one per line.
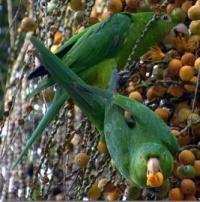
(161,131)
(101,41)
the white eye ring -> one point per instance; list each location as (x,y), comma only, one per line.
(166,18)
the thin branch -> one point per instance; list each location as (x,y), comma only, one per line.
(10,22)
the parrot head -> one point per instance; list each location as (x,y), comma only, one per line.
(164,23)
(152,165)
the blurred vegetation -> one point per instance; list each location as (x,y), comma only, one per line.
(8,32)
(4,45)
(51,170)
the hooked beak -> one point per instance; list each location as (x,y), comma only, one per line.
(154,173)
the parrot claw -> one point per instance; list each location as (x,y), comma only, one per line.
(123,80)
(126,75)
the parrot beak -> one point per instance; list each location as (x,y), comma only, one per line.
(154,173)
(153,166)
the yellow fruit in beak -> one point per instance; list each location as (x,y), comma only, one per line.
(155,180)
(154,174)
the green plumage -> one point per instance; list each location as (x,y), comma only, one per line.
(93,53)
(108,44)
(129,145)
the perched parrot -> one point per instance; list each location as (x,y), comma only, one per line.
(140,144)
(93,53)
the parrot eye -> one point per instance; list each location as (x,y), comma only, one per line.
(166,18)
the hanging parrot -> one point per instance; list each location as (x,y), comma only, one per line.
(93,53)
(141,144)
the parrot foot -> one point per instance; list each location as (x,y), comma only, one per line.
(125,76)
(123,80)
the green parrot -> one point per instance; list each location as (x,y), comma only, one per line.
(93,53)
(141,144)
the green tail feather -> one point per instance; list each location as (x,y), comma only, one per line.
(59,99)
